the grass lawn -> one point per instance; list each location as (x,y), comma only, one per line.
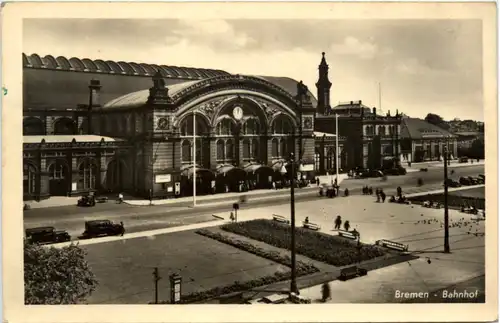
(333,250)
(124,268)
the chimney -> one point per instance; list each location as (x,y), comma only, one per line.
(374,110)
(94,91)
(360,102)
(352,102)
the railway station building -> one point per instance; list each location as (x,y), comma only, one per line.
(105,126)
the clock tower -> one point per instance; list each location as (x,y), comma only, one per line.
(323,85)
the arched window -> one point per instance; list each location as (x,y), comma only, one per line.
(282,125)
(64,126)
(275,148)
(391,130)
(225,127)
(186,151)
(251,127)
(283,148)
(29,179)
(87,172)
(255,149)
(33,127)
(381,130)
(220,150)
(229,150)
(57,170)
(246,149)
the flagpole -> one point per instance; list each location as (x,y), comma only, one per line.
(194,158)
(379,96)
(337,147)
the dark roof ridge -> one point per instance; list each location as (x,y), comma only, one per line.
(119,67)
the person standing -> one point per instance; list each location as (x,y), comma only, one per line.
(338,222)
(377,191)
(325,292)
(382,195)
(347,225)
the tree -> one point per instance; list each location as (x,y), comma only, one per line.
(56,276)
(477,149)
(436,120)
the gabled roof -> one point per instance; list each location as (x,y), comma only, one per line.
(289,84)
(351,107)
(416,129)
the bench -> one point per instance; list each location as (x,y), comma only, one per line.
(352,272)
(348,234)
(310,225)
(392,245)
(281,219)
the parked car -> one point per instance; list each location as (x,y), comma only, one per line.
(474,180)
(465,181)
(370,173)
(483,178)
(42,235)
(86,200)
(97,228)
(463,160)
(395,171)
(453,183)
(327,190)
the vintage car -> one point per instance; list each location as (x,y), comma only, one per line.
(97,228)
(465,181)
(453,183)
(483,178)
(369,174)
(463,160)
(395,171)
(86,200)
(42,235)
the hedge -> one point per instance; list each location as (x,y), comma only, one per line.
(322,247)
(301,270)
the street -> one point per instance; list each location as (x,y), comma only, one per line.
(142,218)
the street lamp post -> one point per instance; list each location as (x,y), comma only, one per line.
(194,159)
(446,218)
(293,283)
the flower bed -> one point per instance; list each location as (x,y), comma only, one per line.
(333,250)
(301,267)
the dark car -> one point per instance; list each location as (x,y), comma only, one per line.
(97,228)
(370,174)
(463,160)
(395,171)
(465,181)
(42,235)
(474,180)
(86,200)
(453,183)
(483,178)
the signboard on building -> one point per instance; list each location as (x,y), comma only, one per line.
(163,178)
(73,186)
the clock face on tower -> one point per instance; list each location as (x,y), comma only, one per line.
(238,113)
(162,124)
(308,123)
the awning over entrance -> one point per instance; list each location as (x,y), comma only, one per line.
(278,165)
(253,168)
(189,170)
(226,170)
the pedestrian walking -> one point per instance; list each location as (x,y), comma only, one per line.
(382,195)
(400,191)
(123,228)
(370,191)
(231,216)
(338,222)
(347,225)
(377,191)
(325,292)
(120,198)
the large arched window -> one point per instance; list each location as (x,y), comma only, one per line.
(282,125)
(29,179)
(255,149)
(275,148)
(225,127)
(246,149)
(186,151)
(220,150)
(283,147)
(229,156)
(381,130)
(251,127)
(64,126)
(33,127)
(87,172)
(58,170)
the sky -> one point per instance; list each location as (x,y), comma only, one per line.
(422,66)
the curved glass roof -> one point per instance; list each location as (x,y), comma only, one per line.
(130,68)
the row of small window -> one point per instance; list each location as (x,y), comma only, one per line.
(370,130)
